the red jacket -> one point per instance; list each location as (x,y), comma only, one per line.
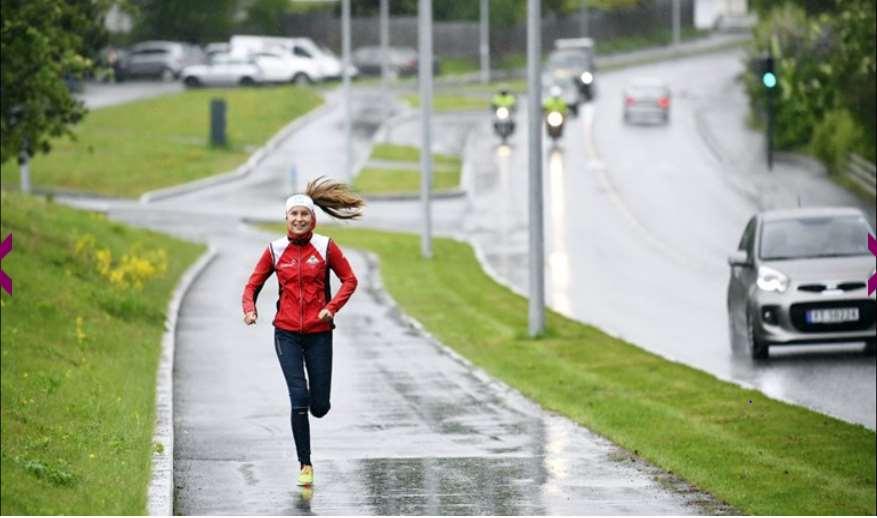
(303,278)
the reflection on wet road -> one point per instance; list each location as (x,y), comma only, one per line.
(640,220)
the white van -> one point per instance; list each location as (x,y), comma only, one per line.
(312,62)
(304,68)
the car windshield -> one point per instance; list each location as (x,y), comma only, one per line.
(836,236)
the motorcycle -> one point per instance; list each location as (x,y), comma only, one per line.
(554,121)
(503,124)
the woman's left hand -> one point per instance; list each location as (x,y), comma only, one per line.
(326,315)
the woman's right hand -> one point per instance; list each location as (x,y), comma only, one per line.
(250,318)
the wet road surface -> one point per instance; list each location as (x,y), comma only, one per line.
(640,221)
(413,429)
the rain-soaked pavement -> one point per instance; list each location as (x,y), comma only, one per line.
(412,430)
(640,221)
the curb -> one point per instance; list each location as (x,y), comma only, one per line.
(247,168)
(160,495)
(442,195)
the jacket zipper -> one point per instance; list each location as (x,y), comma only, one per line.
(301,299)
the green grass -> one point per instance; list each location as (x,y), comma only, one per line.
(132,148)
(402,153)
(402,181)
(79,360)
(757,454)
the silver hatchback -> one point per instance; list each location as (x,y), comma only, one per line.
(800,276)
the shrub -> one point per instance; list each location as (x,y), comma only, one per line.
(834,138)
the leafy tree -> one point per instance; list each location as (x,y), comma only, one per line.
(267,16)
(44,42)
(194,21)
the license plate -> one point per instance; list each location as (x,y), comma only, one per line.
(832,316)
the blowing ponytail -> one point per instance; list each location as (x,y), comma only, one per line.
(335,198)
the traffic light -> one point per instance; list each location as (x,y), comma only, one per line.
(768,78)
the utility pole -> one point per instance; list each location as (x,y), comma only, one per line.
(534,112)
(584,18)
(677,14)
(385,48)
(424,63)
(345,74)
(484,48)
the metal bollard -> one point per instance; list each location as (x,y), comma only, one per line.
(217,123)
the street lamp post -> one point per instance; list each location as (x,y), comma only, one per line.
(484,47)
(385,47)
(677,14)
(345,75)
(534,109)
(424,62)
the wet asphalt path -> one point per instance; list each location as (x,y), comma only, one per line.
(640,220)
(412,430)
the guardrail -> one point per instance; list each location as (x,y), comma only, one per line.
(862,172)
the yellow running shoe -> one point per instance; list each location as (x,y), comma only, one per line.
(306,476)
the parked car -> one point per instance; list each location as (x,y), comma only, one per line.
(402,61)
(574,63)
(162,59)
(647,99)
(223,69)
(279,67)
(303,54)
(800,277)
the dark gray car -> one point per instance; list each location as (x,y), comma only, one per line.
(800,276)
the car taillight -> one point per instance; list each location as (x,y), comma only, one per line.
(664,102)
(630,101)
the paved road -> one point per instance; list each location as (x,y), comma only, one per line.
(413,430)
(640,220)
(99,95)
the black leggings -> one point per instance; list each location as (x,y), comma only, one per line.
(297,352)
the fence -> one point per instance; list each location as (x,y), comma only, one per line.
(862,172)
(460,39)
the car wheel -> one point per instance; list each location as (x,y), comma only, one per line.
(301,79)
(870,347)
(192,82)
(247,81)
(758,349)
(167,75)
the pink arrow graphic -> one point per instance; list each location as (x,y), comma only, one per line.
(5,280)
(872,281)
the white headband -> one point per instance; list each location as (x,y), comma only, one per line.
(299,200)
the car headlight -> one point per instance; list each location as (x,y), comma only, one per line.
(773,280)
(502,113)
(587,77)
(555,119)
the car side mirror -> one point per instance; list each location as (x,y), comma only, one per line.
(739,258)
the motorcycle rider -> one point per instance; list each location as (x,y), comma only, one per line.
(554,102)
(504,98)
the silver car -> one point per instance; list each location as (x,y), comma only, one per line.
(162,59)
(647,98)
(800,276)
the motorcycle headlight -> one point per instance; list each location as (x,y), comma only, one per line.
(587,77)
(502,113)
(555,119)
(770,279)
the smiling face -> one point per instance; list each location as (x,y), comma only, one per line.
(299,220)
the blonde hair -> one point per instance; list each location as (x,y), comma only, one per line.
(335,198)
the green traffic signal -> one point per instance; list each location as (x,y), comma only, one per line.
(769,79)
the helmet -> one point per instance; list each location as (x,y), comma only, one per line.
(555,91)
